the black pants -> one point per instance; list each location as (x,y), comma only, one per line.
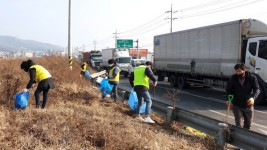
(37,97)
(245,114)
(114,92)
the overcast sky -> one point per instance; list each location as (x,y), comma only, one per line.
(97,20)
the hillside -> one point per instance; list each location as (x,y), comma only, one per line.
(76,117)
(8,43)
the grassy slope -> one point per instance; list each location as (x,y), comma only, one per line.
(76,118)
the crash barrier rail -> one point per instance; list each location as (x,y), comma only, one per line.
(223,133)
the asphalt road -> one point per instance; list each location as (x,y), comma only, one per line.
(205,101)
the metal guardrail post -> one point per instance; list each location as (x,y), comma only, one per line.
(169,115)
(221,136)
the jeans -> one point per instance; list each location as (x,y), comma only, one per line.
(114,92)
(37,97)
(245,114)
(144,95)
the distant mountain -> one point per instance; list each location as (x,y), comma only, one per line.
(9,43)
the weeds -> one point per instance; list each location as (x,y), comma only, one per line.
(75,117)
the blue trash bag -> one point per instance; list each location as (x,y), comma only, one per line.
(133,102)
(87,74)
(21,100)
(105,87)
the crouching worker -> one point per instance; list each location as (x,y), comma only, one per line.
(84,72)
(40,75)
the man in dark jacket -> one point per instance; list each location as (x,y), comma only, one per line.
(245,89)
(139,79)
(40,75)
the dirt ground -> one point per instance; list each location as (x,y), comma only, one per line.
(76,118)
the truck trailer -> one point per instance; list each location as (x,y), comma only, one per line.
(121,56)
(207,55)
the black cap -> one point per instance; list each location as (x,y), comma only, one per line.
(149,63)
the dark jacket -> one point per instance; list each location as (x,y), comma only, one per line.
(148,73)
(250,89)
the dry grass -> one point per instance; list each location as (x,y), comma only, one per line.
(76,118)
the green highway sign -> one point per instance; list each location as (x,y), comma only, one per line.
(122,43)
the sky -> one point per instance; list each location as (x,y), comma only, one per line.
(95,22)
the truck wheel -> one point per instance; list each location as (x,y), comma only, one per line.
(181,82)
(261,98)
(173,81)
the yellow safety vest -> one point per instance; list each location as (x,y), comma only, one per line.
(139,76)
(41,73)
(84,67)
(117,77)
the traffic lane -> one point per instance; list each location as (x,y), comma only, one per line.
(212,107)
(194,100)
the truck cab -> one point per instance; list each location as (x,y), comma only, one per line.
(256,60)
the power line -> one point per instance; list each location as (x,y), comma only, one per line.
(223,8)
(146,24)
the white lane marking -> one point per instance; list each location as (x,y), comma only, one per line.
(262,126)
(208,98)
(260,111)
(263,131)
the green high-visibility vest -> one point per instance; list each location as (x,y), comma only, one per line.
(139,76)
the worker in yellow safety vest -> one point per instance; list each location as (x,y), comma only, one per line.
(114,77)
(83,68)
(40,75)
(139,79)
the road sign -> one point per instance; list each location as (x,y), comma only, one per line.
(122,43)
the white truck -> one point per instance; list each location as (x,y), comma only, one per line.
(121,56)
(207,55)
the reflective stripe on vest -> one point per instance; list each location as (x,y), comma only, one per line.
(139,76)
(117,77)
(41,73)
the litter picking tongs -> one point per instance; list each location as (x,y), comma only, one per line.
(230,99)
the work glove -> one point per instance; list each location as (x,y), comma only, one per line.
(25,90)
(250,102)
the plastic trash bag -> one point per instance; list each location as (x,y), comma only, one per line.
(105,87)
(133,102)
(21,100)
(87,74)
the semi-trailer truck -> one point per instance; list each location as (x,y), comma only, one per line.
(207,55)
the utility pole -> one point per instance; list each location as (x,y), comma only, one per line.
(69,37)
(171,19)
(116,37)
(94,45)
(137,48)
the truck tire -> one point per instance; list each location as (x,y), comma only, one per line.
(173,81)
(181,82)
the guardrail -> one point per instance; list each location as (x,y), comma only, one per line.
(223,133)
